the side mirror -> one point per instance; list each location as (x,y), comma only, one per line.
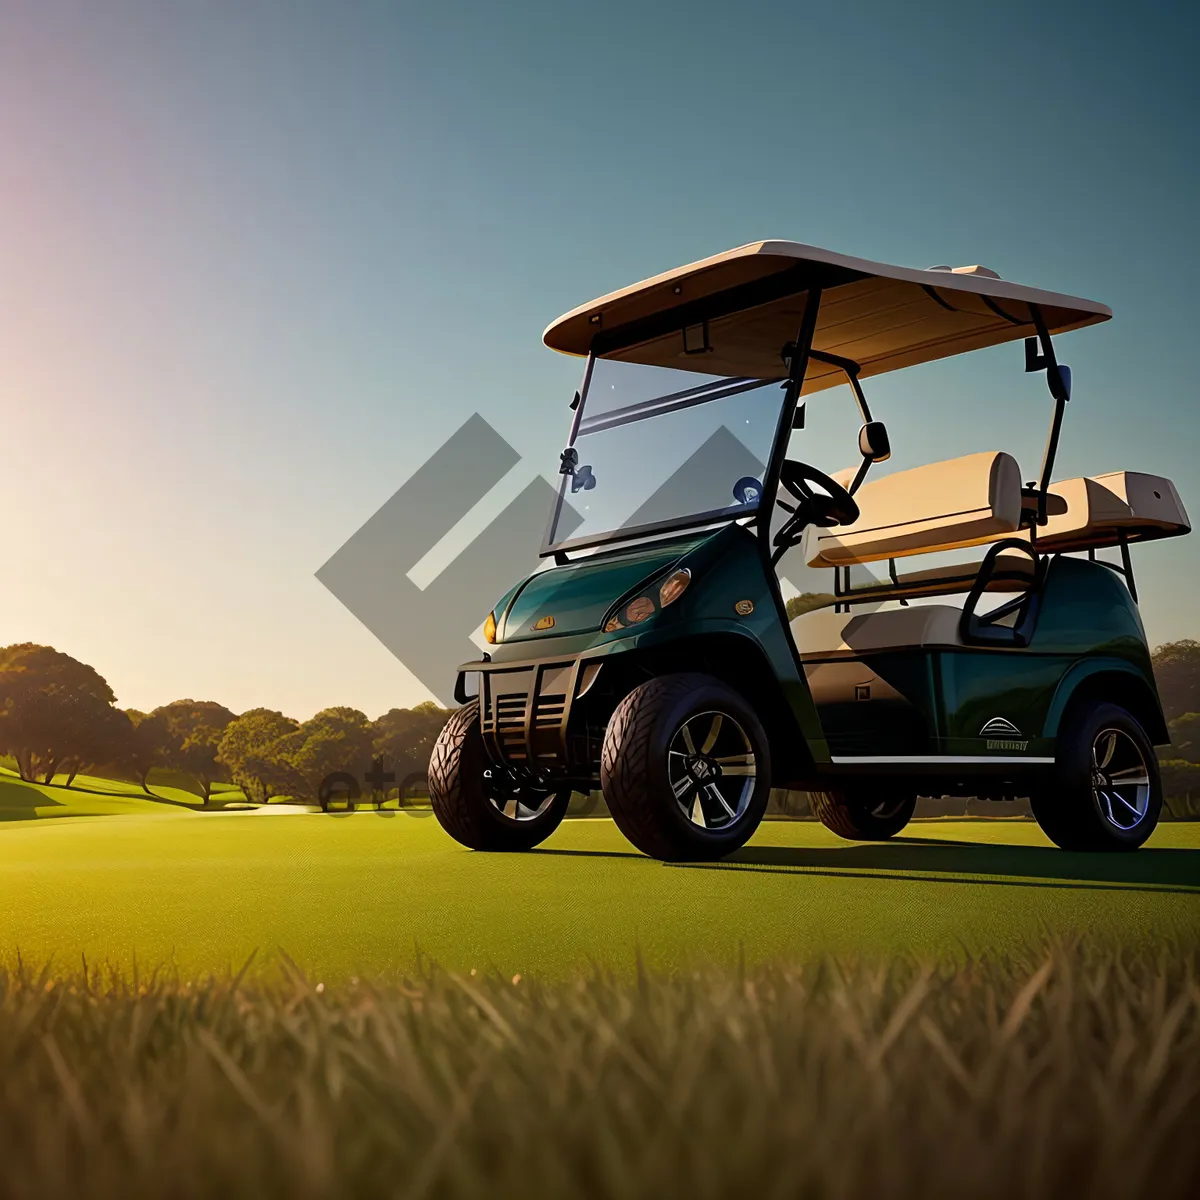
(1058,377)
(1060,389)
(873,443)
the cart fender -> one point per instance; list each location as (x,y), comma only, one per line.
(1115,679)
(759,664)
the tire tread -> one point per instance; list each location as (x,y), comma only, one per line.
(849,817)
(628,763)
(1063,805)
(457,791)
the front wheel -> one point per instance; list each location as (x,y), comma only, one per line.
(865,811)
(479,806)
(685,769)
(1105,792)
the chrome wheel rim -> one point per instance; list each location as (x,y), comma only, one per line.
(711,770)
(1120,779)
(887,808)
(516,803)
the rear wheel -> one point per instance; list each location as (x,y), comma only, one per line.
(480,806)
(685,769)
(866,811)
(1104,792)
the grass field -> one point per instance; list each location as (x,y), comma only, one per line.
(92,796)
(1069,1073)
(369,894)
(963,1011)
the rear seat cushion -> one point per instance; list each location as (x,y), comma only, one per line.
(942,506)
(1092,513)
(824,633)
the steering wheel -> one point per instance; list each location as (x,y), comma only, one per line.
(831,505)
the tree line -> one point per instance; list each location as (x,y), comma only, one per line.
(1177,670)
(59,717)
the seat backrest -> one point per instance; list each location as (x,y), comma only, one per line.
(1092,513)
(941,506)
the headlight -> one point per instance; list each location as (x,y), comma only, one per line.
(638,610)
(643,607)
(489,629)
(674,587)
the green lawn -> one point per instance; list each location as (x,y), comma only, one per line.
(364,894)
(92,796)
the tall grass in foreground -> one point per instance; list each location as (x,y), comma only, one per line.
(1075,1072)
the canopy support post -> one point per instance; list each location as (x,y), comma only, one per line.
(797,366)
(1058,380)
(1127,565)
(851,369)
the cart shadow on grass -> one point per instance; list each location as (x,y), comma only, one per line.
(930,860)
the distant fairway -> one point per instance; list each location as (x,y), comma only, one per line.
(363,894)
(91,796)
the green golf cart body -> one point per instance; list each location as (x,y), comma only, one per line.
(656,658)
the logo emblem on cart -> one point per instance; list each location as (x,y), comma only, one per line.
(546,622)
(998,726)
(744,608)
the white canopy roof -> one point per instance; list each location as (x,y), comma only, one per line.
(752,299)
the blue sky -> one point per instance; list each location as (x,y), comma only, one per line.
(259,259)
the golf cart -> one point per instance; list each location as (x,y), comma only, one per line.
(655,657)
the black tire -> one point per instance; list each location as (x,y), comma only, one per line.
(1090,802)
(463,796)
(640,760)
(865,811)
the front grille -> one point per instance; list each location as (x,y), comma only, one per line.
(514,732)
(548,711)
(510,725)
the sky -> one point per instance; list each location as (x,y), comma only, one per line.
(259,259)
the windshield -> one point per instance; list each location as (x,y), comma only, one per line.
(658,448)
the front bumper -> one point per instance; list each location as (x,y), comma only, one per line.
(525,709)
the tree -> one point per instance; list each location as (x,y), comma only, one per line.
(1185,737)
(253,747)
(404,737)
(50,708)
(1181,788)
(96,735)
(335,739)
(147,744)
(1177,670)
(193,731)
